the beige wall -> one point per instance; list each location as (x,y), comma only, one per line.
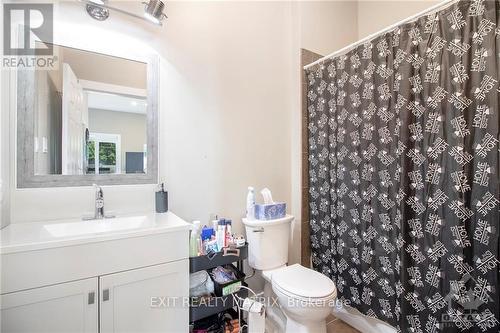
(327,25)
(322,27)
(229,89)
(130,126)
(376,15)
(101,68)
(93,66)
(226,121)
(229,108)
(230,100)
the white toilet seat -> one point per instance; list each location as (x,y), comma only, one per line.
(306,299)
(301,283)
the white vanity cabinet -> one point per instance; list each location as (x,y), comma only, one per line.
(129,281)
(66,307)
(145,300)
(148,299)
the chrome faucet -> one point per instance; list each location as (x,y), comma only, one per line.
(99,205)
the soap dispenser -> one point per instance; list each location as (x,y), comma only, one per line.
(161,200)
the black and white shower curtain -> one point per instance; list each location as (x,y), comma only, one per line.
(404,172)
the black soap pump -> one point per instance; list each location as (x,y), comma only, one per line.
(162,200)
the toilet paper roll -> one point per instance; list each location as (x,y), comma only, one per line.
(252,306)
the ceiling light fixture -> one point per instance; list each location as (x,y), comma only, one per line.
(96,9)
(153,10)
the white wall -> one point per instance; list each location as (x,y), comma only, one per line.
(227,117)
(230,103)
(230,106)
(376,15)
(326,26)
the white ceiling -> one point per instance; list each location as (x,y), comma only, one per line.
(115,102)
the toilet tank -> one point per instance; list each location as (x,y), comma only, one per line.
(268,242)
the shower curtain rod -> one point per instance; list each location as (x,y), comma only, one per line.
(389,28)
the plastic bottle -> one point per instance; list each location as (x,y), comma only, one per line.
(251,204)
(229,235)
(223,232)
(194,240)
(220,236)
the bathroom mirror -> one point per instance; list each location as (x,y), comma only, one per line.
(90,119)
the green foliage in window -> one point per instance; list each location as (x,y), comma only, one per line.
(107,153)
(91,152)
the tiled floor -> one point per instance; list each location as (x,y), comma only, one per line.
(335,325)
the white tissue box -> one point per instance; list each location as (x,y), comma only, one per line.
(272,211)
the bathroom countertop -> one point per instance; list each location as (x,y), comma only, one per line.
(22,237)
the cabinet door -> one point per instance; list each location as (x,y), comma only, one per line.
(66,308)
(150,299)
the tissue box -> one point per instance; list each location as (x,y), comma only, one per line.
(272,211)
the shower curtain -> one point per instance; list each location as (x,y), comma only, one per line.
(404,172)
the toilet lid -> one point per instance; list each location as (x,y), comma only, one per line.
(302,281)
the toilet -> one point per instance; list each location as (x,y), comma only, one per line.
(305,296)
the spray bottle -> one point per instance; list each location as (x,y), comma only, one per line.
(194,240)
(251,204)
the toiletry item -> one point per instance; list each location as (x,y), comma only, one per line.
(194,240)
(222,223)
(218,237)
(206,233)
(214,219)
(161,200)
(226,243)
(210,246)
(229,235)
(199,242)
(251,204)
(239,241)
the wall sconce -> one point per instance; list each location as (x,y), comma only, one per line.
(153,10)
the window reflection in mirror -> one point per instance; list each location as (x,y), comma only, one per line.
(91,115)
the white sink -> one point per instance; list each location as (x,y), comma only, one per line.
(71,229)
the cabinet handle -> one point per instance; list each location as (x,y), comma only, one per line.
(105,295)
(91,297)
